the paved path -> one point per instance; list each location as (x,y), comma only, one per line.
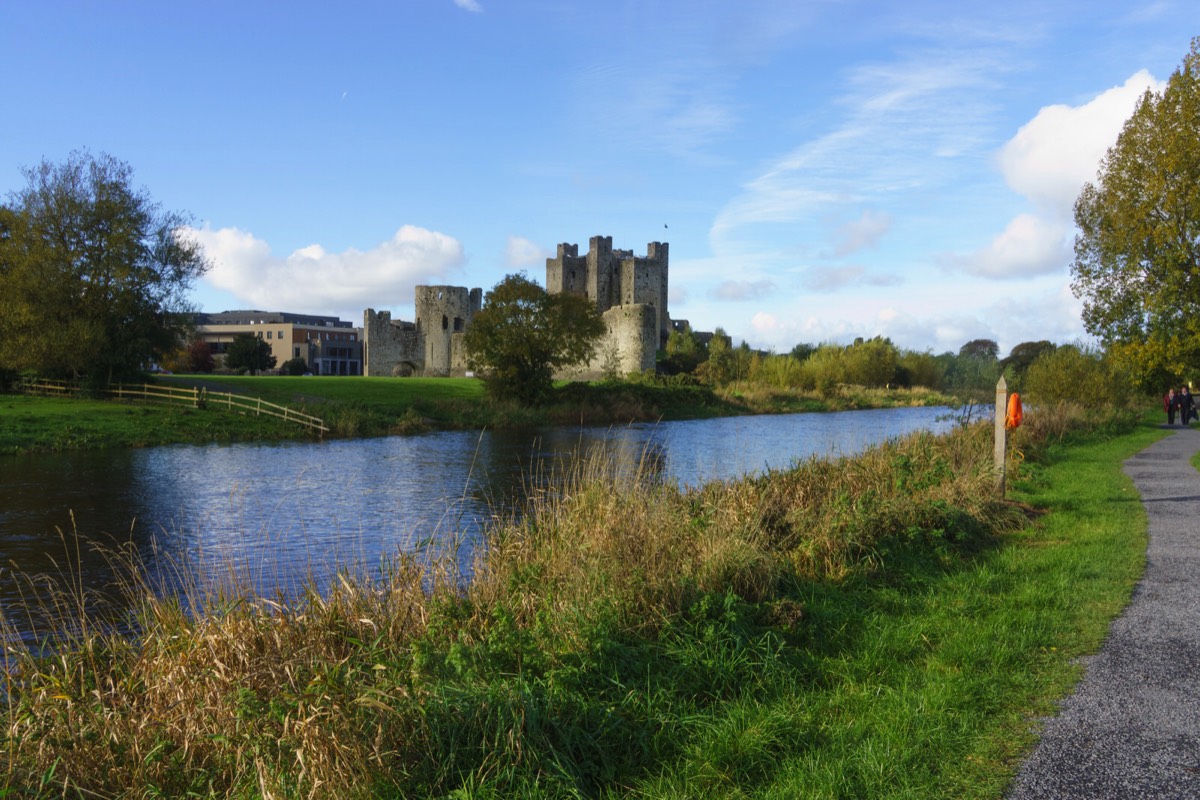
(1132,727)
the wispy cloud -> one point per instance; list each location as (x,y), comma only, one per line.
(903,124)
(832,279)
(864,232)
(740,291)
(469,5)
(312,280)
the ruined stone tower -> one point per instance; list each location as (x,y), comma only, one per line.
(443,314)
(630,292)
(613,277)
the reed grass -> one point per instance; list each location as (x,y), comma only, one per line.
(620,636)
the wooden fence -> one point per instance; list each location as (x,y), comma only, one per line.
(195,397)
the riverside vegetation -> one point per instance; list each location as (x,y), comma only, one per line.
(881,626)
(357,406)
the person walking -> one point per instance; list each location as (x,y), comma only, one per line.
(1169,405)
(1187,405)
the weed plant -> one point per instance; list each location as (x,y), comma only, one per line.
(838,629)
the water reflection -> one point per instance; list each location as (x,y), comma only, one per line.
(281,515)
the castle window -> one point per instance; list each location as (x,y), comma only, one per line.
(445,322)
(458,324)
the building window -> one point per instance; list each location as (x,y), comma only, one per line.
(268,334)
(297,349)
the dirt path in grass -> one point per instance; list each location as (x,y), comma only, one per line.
(1132,727)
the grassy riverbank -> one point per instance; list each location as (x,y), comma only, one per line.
(877,627)
(356,406)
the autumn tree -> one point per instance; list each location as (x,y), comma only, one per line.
(94,274)
(1137,252)
(523,335)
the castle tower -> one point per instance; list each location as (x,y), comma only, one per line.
(443,314)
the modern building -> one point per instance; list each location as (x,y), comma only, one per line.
(328,345)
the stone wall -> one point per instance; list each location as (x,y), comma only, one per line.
(443,314)
(390,348)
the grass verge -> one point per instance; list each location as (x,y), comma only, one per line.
(881,626)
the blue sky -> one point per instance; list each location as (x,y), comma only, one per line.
(821,170)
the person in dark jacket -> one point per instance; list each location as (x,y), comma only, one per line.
(1187,405)
(1169,405)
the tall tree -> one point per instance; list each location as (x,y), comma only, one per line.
(94,273)
(1137,253)
(986,349)
(250,353)
(522,335)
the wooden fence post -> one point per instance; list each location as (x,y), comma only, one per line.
(1001,449)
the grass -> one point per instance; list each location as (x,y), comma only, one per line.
(881,626)
(46,423)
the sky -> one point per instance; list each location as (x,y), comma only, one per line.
(821,169)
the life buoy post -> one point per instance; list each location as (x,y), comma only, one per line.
(1002,429)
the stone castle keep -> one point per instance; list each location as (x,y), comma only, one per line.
(630,292)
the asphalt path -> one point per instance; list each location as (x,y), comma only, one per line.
(1131,729)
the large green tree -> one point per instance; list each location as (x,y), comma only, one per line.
(94,274)
(1137,253)
(522,335)
(250,353)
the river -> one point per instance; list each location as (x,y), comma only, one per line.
(280,515)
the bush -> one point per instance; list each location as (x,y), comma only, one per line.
(1080,374)
(294,366)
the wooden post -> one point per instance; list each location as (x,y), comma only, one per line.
(1001,433)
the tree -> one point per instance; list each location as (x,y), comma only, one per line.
(1137,252)
(1021,358)
(199,357)
(94,274)
(522,335)
(250,353)
(683,353)
(980,348)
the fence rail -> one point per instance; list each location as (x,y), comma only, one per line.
(194,396)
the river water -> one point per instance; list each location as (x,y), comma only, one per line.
(281,515)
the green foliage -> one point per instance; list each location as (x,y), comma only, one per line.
(1137,253)
(250,353)
(1019,360)
(969,377)
(683,354)
(93,273)
(1078,374)
(293,366)
(523,335)
(985,349)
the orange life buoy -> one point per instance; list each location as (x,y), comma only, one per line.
(1015,415)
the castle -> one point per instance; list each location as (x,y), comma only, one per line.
(629,291)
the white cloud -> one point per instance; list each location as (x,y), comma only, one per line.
(1048,161)
(312,280)
(521,252)
(469,5)
(866,231)
(1029,245)
(1060,149)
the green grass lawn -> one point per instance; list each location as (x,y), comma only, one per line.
(48,423)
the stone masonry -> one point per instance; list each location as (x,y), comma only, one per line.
(629,291)
(430,346)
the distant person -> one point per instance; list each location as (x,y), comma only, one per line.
(1169,405)
(1187,405)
